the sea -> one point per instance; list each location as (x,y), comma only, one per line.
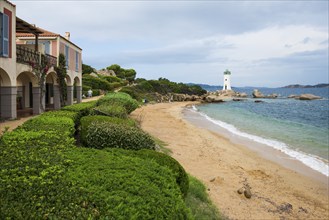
(298,129)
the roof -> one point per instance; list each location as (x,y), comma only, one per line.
(24,27)
(10,3)
(45,33)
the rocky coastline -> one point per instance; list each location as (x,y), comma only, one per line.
(227,95)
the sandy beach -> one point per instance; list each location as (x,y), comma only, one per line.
(224,167)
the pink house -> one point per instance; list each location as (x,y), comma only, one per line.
(22,43)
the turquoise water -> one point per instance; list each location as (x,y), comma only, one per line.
(297,128)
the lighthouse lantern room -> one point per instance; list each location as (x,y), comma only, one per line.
(227,81)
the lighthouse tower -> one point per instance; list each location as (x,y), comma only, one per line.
(227,81)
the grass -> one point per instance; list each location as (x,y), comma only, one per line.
(198,202)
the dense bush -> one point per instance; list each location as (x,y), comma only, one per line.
(84,108)
(108,135)
(111,110)
(86,121)
(62,125)
(162,159)
(32,177)
(112,79)
(96,83)
(171,163)
(63,113)
(127,187)
(119,98)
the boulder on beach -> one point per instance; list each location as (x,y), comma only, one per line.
(257,94)
(213,98)
(308,97)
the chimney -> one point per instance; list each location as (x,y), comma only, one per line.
(67,35)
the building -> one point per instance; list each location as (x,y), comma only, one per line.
(22,44)
(227,80)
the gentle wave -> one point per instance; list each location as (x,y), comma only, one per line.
(309,160)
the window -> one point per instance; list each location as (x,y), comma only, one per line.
(76,61)
(47,46)
(4,35)
(67,56)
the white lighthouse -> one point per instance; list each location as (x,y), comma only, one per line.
(227,81)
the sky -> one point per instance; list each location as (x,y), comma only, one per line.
(262,43)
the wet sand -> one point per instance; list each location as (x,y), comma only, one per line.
(225,165)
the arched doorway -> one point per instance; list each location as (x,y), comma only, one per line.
(52,96)
(26,84)
(8,94)
(77,89)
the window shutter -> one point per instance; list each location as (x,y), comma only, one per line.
(67,56)
(1,28)
(76,61)
(5,35)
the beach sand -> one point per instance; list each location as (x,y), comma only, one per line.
(224,167)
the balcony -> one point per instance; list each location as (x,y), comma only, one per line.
(26,55)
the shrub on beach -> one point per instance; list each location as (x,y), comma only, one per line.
(119,99)
(86,122)
(108,135)
(111,110)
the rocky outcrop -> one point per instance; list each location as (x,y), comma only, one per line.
(308,97)
(257,94)
(106,72)
(93,74)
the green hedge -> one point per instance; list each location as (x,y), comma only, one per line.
(111,110)
(32,177)
(165,160)
(108,135)
(62,125)
(162,159)
(84,108)
(127,187)
(88,120)
(119,98)
(63,113)
(112,79)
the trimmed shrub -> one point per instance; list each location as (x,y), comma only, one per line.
(127,187)
(84,108)
(111,110)
(32,182)
(88,120)
(119,99)
(108,135)
(165,160)
(62,113)
(62,125)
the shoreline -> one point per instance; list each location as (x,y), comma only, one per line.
(225,166)
(263,150)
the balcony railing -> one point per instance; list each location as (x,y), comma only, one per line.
(28,56)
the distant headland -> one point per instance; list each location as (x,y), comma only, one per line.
(322,85)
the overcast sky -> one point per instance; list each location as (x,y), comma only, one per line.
(263,43)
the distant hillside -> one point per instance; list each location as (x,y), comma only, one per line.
(207,87)
(322,85)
